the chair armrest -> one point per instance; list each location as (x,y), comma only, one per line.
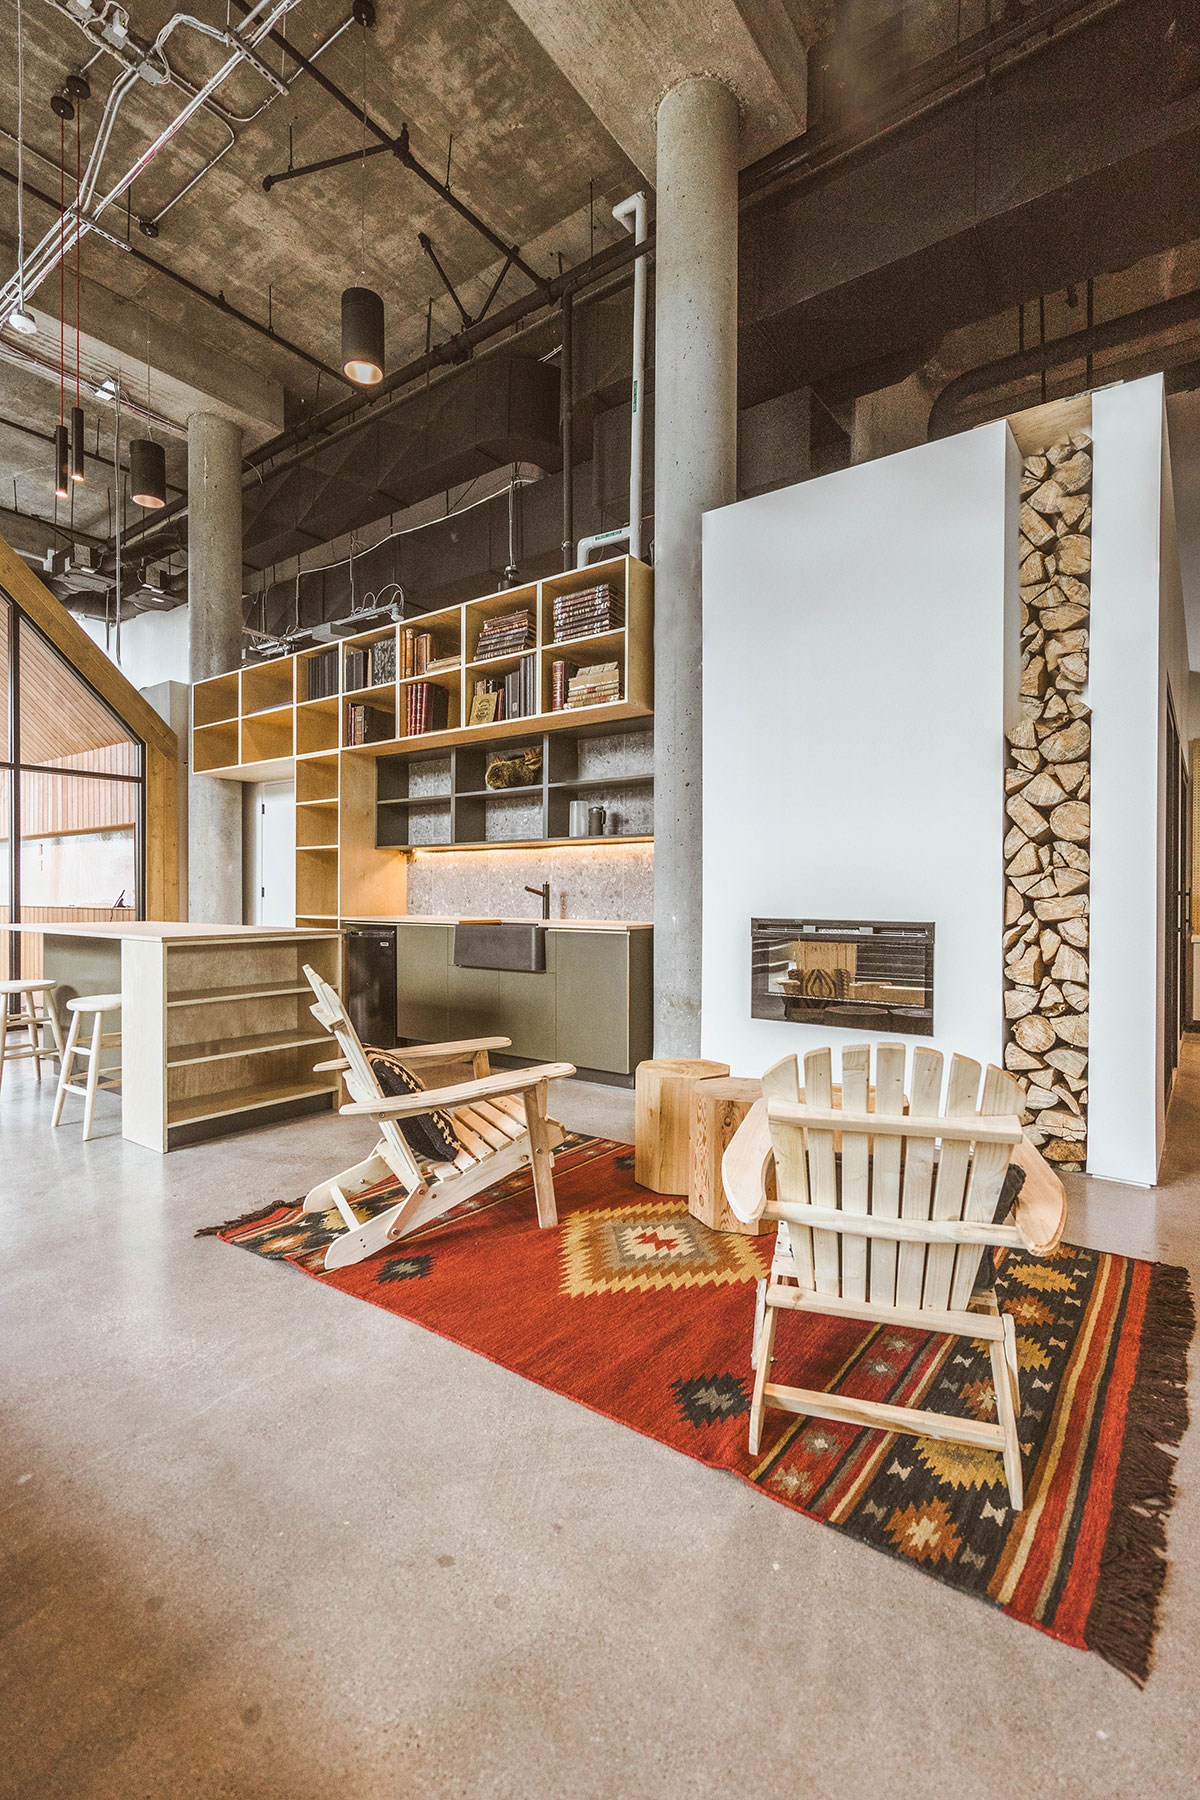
(1041,1209)
(745,1164)
(325,1068)
(488,1087)
(464,1048)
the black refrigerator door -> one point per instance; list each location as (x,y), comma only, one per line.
(371,985)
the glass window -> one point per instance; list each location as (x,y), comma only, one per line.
(71,794)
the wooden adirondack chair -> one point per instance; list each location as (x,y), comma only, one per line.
(884,1215)
(500,1119)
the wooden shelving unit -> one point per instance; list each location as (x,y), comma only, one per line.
(214,1027)
(259,723)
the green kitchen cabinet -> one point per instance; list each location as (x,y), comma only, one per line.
(472,1002)
(422,983)
(592,999)
(525,1008)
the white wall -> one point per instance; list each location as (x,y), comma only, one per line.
(854,708)
(1138,653)
(154,646)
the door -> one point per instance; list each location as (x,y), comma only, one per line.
(1177,1005)
(271,858)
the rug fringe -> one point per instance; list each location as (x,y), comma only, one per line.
(250,1218)
(1133,1567)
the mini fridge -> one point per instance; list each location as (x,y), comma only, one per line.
(371,983)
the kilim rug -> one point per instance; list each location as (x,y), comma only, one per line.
(633,1308)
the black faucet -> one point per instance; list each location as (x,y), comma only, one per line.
(544,894)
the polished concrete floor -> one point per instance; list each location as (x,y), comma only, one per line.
(258,1540)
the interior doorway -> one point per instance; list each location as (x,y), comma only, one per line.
(1177,1008)
(270,853)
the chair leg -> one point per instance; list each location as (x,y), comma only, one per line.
(760,1307)
(1008,1403)
(93,1075)
(356,1180)
(35,1031)
(539,1154)
(65,1068)
(762,1374)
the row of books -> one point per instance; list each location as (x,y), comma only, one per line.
(322,675)
(426,708)
(506,636)
(512,696)
(594,686)
(421,654)
(371,666)
(588,612)
(367,724)
(560,675)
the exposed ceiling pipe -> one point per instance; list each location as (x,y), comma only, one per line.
(1165,315)
(61,240)
(217,300)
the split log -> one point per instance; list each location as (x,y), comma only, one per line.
(1037,465)
(1028,818)
(1024,862)
(1074,592)
(1075,996)
(1035,1032)
(1017,1059)
(1078,707)
(1071,671)
(1033,678)
(1026,969)
(1049,941)
(1063,618)
(1071,1063)
(1051,1001)
(1074,473)
(1058,1151)
(1072,856)
(1072,1028)
(1032,569)
(1075,931)
(1019,1002)
(1069,881)
(1069,965)
(1063,1124)
(1043,791)
(1022,736)
(1072,820)
(1069,906)
(1073,509)
(1038,532)
(1015,840)
(1048,498)
(1070,774)
(1072,554)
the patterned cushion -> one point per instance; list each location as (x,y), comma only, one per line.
(430,1134)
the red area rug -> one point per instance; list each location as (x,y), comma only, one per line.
(634,1309)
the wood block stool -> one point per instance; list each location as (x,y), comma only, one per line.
(663,1120)
(35,1013)
(719,1104)
(97,1078)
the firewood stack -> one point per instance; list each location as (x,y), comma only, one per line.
(1047,784)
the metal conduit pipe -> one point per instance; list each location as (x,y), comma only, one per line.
(62,238)
(1164,315)
(190,287)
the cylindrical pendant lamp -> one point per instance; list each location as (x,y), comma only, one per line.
(77,443)
(147,473)
(61,450)
(362,335)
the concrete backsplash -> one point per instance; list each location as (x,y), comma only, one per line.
(600,881)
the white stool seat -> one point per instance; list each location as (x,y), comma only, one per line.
(35,1014)
(97,1077)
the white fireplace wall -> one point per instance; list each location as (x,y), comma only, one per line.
(856,688)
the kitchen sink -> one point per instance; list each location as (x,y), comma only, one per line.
(519,945)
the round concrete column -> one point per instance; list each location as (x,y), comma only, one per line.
(695,468)
(214,646)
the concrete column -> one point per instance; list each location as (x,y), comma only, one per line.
(214,646)
(695,468)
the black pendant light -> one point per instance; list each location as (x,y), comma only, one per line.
(77,443)
(147,473)
(362,335)
(77,470)
(61,451)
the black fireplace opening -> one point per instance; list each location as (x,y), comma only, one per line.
(865,974)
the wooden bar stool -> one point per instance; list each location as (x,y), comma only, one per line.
(97,1078)
(35,1011)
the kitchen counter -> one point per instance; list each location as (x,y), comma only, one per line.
(473,919)
(158,931)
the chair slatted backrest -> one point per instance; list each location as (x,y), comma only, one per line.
(929,1165)
(362,1083)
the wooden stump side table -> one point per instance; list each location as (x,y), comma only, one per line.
(718,1107)
(663,1120)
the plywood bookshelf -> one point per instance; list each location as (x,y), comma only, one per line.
(260,723)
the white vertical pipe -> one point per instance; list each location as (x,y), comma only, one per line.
(632,214)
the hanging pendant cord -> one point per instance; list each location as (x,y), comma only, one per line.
(362,171)
(78,236)
(20,161)
(62,271)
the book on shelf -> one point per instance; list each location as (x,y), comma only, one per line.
(426,708)
(506,636)
(367,724)
(485,704)
(521,699)
(597,685)
(383,661)
(588,612)
(408,652)
(322,675)
(441,664)
(560,674)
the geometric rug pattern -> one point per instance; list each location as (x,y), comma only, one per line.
(634,1309)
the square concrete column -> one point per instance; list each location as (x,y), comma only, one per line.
(214,647)
(695,468)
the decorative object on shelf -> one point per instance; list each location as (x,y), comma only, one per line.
(577,825)
(516,769)
(595,821)
(664,1102)
(1047,799)
(362,335)
(854,1180)
(501,1120)
(485,703)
